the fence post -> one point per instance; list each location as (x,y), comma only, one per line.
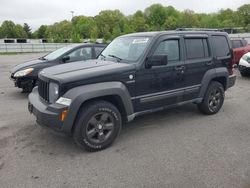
(6,50)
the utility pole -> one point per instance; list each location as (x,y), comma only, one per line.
(72,13)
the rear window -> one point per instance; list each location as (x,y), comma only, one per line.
(196,48)
(220,46)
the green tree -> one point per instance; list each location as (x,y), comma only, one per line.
(9,29)
(20,32)
(109,20)
(156,16)
(244,14)
(27,29)
(41,32)
(189,19)
(138,22)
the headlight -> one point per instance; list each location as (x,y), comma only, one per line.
(53,92)
(246,58)
(23,72)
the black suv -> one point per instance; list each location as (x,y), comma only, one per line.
(135,74)
(25,75)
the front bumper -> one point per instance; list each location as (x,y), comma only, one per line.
(23,82)
(47,115)
(243,68)
(231,81)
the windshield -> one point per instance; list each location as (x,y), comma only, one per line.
(57,53)
(126,49)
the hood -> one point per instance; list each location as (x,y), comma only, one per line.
(28,64)
(83,70)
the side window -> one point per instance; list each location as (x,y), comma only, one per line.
(170,48)
(220,46)
(98,50)
(80,54)
(236,43)
(196,48)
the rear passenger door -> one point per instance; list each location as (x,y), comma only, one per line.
(198,61)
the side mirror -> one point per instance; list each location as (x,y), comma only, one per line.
(65,59)
(157,60)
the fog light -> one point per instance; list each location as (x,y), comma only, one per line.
(64,115)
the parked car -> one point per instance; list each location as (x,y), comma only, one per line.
(240,47)
(25,75)
(135,74)
(244,65)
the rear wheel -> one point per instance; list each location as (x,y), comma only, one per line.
(213,99)
(97,126)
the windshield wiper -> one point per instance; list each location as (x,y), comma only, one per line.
(114,56)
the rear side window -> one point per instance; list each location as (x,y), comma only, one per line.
(220,46)
(169,48)
(236,43)
(196,48)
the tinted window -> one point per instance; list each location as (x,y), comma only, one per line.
(170,48)
(195,48)
(80,54)
(98,50)
(236,43)
(220,46)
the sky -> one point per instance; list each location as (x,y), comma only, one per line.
(39,12)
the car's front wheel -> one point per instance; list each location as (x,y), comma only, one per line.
(97,126)
(213,99)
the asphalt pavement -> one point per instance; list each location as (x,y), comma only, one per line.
(178,147)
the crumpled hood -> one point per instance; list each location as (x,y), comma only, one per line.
(82,70)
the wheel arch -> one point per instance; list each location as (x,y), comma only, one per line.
(114,92)
(218,74)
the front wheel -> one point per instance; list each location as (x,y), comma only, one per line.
(97,126)
(213,99)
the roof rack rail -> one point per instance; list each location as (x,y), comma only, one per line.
(199,29)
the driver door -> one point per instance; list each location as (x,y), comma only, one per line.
(161,85)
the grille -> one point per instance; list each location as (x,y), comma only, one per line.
(43,90)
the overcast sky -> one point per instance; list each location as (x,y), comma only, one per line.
(38,12)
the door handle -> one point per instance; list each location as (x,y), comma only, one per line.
(180,68)
(209,63)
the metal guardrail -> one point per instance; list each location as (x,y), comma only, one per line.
(27,47)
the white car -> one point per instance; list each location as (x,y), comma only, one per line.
(244,65)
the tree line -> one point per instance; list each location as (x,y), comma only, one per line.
(109,24)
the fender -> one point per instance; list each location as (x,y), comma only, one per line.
(210,75)
(80,94)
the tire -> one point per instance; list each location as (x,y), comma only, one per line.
(97,126)
(213,99)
